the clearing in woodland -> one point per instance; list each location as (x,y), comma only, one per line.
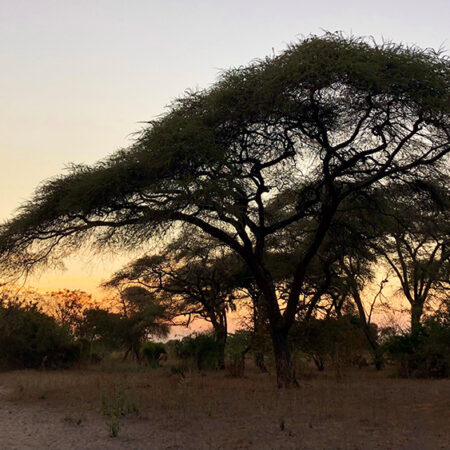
(130,407)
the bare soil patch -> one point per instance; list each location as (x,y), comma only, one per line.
(362,409)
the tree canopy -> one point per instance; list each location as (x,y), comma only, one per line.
(195,274)
(281,140)
(416,223)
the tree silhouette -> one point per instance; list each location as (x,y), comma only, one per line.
(417,222)
(344,265)
(67,306)
(142,316)
(283,139)
(196,277)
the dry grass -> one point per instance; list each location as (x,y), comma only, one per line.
(155,409)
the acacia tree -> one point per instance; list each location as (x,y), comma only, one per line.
(417,247)
(141,315)
(67,306)
(322,122)
(344,265)
(197,277)
(355,264)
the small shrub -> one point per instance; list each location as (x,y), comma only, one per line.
(113,425)
(117,404)
(201,348)
(238,345)
(425,354)
(152,353)
(339,341)
(284,427)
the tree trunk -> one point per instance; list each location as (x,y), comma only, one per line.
(257,331)
(125,356)
(416,315)
(318,361)
(279,327)
(378,357)
(136,353)
(259,362)
(221,338)
(283,363)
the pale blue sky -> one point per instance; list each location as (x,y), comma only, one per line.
(77,76)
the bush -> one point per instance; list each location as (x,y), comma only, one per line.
(152,352)
(238,345)
(425,354)
(340,340)
(201,348)
(31,339)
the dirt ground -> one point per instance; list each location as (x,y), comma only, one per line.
(153,409)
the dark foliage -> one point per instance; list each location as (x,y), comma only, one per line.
(117,331)
(31,339)
(283,140)
(424,353)
(202,349)
(338,340)
(152,352)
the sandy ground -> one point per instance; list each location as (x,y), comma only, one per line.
(362,410)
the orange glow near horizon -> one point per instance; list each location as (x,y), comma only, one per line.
(85,274)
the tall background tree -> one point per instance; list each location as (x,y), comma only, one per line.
(195,276)
(284,139)
(138,316)
(416,219)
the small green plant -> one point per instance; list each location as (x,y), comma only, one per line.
(132,406)
(42,395)
(76,419)
(118,404)
(284,427)
(113,424)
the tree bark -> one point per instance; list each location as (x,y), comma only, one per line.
(257,330)
(279,326)
(283,362)
(221,339)
(416,315)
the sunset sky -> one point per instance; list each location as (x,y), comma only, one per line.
(77,77)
